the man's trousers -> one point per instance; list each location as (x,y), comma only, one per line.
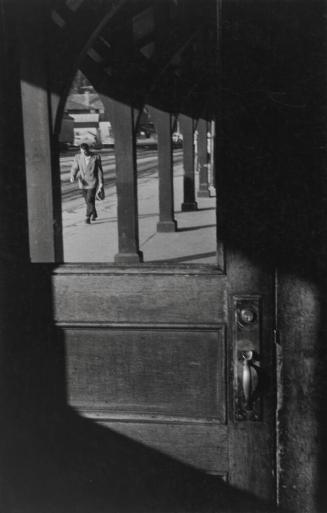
(89,197)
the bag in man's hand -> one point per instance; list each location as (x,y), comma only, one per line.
(100,195)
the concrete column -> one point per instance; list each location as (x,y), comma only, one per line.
(122,119)
(186,125)
(203,191)
(166,223)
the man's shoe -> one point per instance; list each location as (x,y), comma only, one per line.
(94,217)
(87,220)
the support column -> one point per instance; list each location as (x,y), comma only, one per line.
(212,157)
(203,191)
(122,119)
(166,223)
(189,203)
(37,131)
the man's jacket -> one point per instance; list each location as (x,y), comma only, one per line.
(90,175)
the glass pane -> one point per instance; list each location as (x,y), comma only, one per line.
(84,122)
(194,241)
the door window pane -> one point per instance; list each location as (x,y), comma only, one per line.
(194,241)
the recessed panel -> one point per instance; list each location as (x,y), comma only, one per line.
(152,372)
(202,445)
(82,295)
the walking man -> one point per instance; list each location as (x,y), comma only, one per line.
(87,168)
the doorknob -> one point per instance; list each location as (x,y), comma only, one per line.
(250,378)
(247,348)
(248,389)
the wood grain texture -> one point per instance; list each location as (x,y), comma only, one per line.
(140,298)
(251,458)
(203,447)
(175,373)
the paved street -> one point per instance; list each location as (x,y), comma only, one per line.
(194,242)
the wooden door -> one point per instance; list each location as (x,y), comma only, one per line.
(177,360)
(163,356)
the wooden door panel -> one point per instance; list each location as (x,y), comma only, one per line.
(151,353)
(203,446)
(146,356)
(175,373)
(88,295)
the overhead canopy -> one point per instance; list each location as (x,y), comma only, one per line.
(162,53)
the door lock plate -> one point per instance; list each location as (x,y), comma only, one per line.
(247,372)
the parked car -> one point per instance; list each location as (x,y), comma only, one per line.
(145,130)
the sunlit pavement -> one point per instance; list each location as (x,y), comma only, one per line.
(193,243)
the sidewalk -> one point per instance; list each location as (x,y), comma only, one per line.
(194,242)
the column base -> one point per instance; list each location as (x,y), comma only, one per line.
(203,192)
(212,191)
(187,207)
(129,258)
(167,226)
